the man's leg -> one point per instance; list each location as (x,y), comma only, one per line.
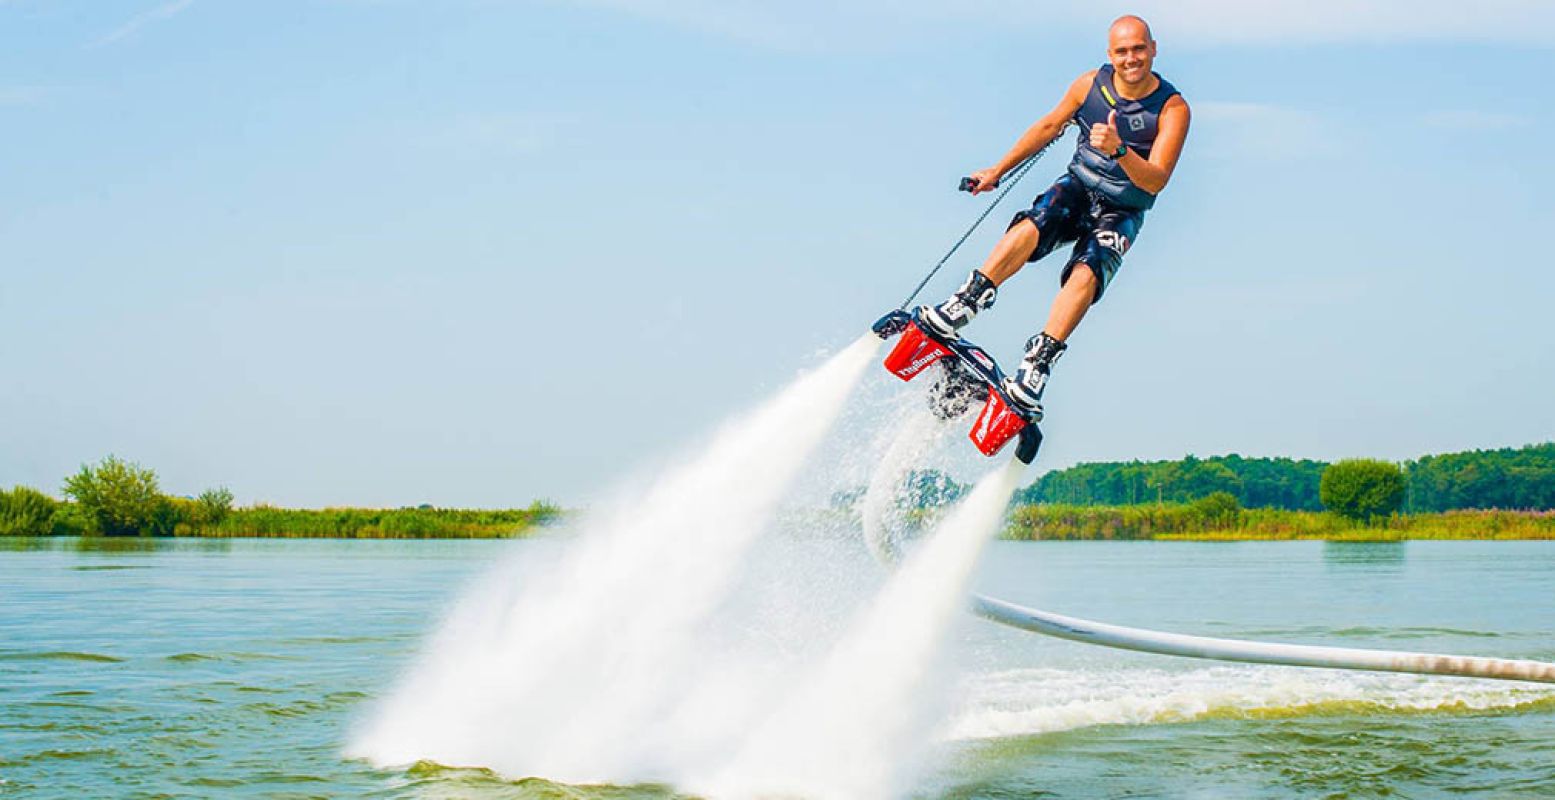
(1096,258)
(1032,233)
(1074,299)
(1012,252)
(982,286)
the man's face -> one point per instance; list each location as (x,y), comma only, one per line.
(1131,51)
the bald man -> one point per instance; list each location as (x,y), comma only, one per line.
(1132,127)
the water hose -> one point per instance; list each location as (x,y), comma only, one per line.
(899,457)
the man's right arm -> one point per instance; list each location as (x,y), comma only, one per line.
(1043,131)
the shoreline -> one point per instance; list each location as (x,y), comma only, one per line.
(1196,522)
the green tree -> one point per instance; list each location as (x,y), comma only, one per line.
(121,496)
(212,507)
(26,512)
(1522,478)
(927,488)
(1219,510)
(1204,478)
(1362,488)
(70,519)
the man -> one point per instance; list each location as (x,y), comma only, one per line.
(1132,127)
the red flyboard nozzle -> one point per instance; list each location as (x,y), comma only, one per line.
(996,425)
(913,353)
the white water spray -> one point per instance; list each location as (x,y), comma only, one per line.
(852,726)
(1032,701)
(881,509)
(572,675)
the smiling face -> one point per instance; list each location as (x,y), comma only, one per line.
(1131,50)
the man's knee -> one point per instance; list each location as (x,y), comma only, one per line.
(1024,233)
(1013,251)
(1021,242)
(1080,276)
(1082,279)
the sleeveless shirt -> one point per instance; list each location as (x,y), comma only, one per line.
(1137,126)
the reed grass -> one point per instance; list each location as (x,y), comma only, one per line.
(1185,522)
(372,523)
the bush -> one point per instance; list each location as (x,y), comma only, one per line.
(1218,510)
(26,512)
(212,507)
(1362,488)
(121,497)
(70,519)
(170,515)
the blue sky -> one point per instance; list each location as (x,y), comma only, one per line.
(478,252)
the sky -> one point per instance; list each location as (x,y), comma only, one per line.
(475,252)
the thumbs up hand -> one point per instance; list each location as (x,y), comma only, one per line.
(1105,137)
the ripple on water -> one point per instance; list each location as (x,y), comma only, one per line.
(63,755)
(1363,632)
(1351,755)
(214,783)
(60,655)
(191,658)
(235,657)
(308,640)
(298,708)
(433,781)
(96,708)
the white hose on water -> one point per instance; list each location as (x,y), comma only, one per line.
(891,471)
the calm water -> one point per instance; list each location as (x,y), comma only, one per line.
(238,669)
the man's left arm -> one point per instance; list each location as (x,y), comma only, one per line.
(1171,131)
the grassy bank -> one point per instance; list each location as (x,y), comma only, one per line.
(119,498)
(372,523)
(25,512)
(1195,522)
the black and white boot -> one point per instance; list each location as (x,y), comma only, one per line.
(952,315)
(1026,385)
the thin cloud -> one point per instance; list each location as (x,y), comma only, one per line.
(1234,130)
(1358,21)
(1469,120)
(22,95)
(130,28)
(854,24)
(489,134)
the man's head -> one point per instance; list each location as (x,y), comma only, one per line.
(1131,49)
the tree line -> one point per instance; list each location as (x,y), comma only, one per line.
(121,498)
(1522,478)
(1509,478)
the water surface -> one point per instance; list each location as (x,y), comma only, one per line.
(239,668)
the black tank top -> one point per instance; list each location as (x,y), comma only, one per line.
(1137,126)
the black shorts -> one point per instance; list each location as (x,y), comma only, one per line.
(1101,232)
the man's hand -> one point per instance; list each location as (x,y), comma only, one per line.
(985,180)
(1105,137)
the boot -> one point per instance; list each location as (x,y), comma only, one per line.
(1030,379)
(952,315)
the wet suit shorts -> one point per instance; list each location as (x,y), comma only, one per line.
(1101,232)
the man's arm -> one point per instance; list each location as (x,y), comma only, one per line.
(1038,135)
(1171,131)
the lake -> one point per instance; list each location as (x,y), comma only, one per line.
(242,668)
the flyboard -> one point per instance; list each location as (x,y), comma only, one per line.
(970,375)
